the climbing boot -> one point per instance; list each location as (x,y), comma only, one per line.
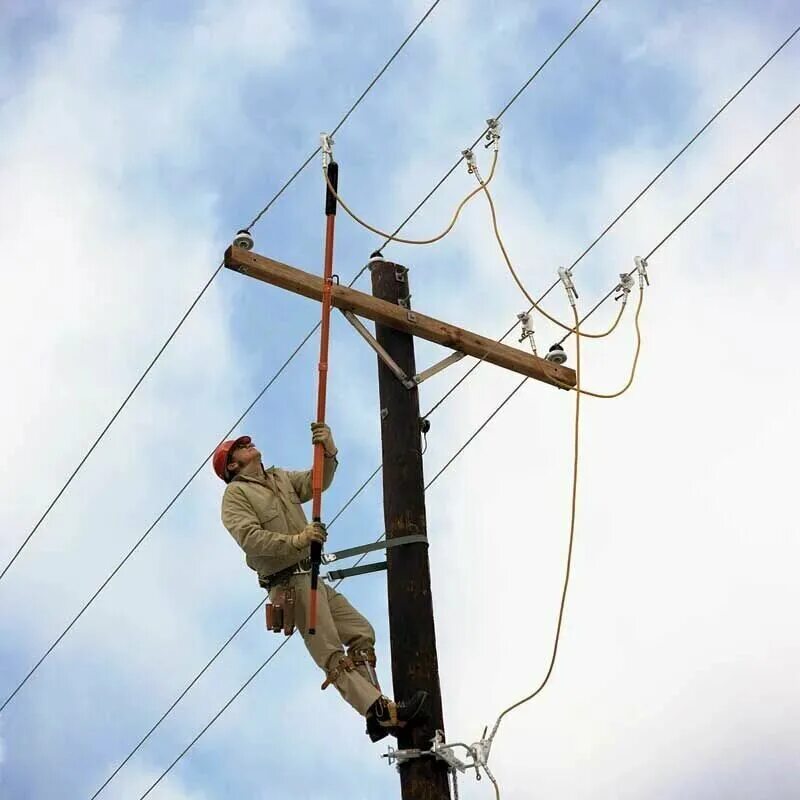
(375,730)
(386,716)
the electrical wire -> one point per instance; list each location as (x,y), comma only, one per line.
(197,677)
(218,653)
(147,532)
(573,500)
(573,508)
(578,394)
(428,485)
(202,292)
(525,292)
(391,237)
(674,158)
(297,349)
(635,358)
(698,206)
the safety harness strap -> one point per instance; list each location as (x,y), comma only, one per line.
(345,664)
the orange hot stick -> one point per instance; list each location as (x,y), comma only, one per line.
(319,450)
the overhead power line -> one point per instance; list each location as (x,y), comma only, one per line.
(674,158)
(699,205)
(202,292)
(630,205)
(275,376)
(278,648)
(471,438)
(219,652)
(483,425)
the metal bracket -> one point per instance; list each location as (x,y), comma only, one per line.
(624,287)
(382,354)
(384,544)
(351,572)
(438,367)
(641,268)
(477,753)
(379,566)
(493,133)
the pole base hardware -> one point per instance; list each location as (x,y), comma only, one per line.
(477,755)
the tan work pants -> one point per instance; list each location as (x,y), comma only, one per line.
(339,625)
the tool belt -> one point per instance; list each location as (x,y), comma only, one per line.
(280,613)
(277,578)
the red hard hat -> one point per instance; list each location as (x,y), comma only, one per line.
(222,454)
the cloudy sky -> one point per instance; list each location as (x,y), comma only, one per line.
(136,139)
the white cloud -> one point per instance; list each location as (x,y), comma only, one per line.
(675,654)
(107,231)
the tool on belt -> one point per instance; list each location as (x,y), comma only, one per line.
(280,612)
(332,171)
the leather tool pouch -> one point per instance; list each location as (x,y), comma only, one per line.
(281,613)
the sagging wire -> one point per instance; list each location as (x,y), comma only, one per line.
(392,237)
(701,203)
(535,304)
(624,287)
(486,743)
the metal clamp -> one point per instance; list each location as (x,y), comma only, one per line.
(326,145)
(641,268)
(625,286)
(527,329)
(565,276)
(469,157)
(477,754)
(493,134)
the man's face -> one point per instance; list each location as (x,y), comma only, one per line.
(244,454)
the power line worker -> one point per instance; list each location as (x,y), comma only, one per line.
(262,510)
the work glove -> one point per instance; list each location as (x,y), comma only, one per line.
(321,434)
(313,532)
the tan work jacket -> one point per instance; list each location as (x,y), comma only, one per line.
(263,515)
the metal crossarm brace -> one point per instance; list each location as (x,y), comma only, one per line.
(453,358)
(382,354)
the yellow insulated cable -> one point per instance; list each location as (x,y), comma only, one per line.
(627,386)
(567,571)
(573,506)
(534,303)
(392,238)
(635,357)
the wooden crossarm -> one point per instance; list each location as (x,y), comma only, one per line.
(365,305)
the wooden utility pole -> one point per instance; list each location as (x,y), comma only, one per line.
(411,626)
(412,633)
